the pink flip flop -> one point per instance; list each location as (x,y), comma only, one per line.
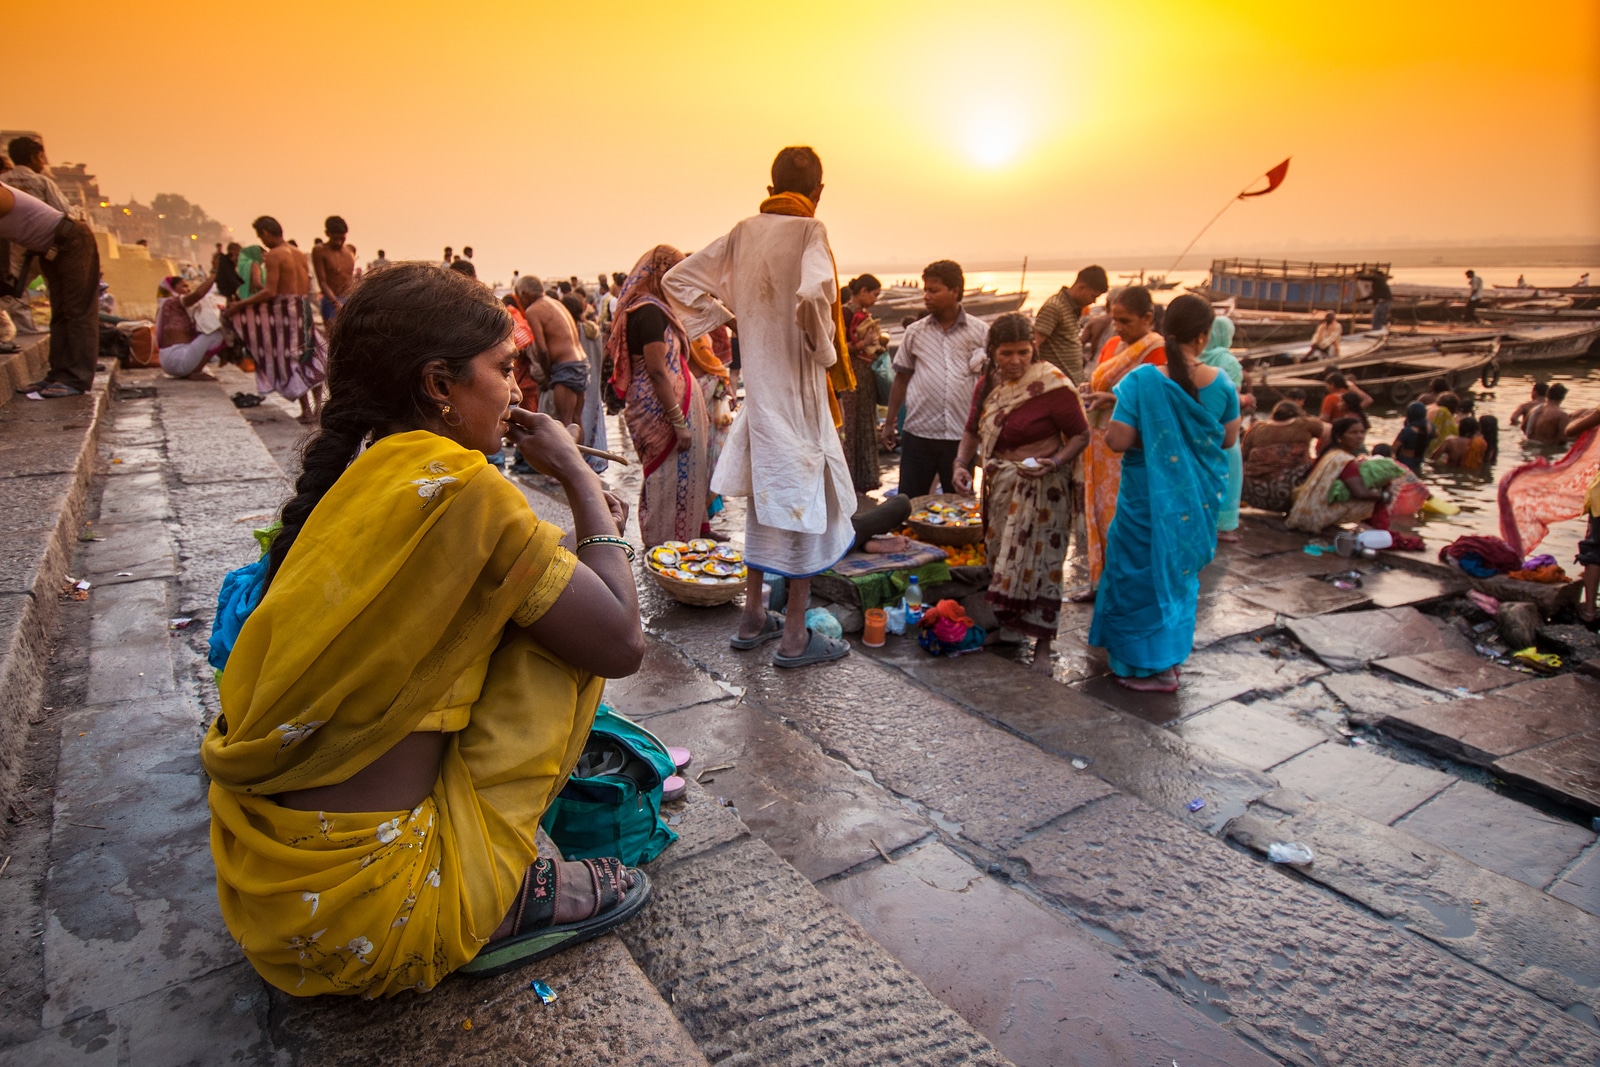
(680,758)
(673,789)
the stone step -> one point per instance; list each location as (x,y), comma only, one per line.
(25,366)
(47,456)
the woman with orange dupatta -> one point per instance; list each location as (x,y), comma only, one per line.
(665,412)
(1134,343)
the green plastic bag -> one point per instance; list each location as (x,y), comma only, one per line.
(616,812)
(883,373)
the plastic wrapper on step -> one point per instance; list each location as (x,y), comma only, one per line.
(894,618)
(1289,852)
(824,622)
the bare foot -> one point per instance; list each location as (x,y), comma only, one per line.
(887,543)
(1042,664)
(1230,536)
(202,376)
(1082,596)
(1165,682)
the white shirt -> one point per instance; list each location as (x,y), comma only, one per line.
(1475,287)
(775,273)
(945,366)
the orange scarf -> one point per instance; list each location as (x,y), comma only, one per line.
(841,378)
(703,358)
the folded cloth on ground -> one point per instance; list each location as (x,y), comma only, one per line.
(1550,573)
(1533,563)
(857,564)
(1491,552)
(1378,470)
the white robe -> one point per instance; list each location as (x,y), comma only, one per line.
(774,273)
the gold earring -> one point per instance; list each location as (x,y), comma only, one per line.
(445,410)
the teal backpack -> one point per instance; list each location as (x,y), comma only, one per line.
(611,805)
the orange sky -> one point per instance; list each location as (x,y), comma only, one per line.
(570,137)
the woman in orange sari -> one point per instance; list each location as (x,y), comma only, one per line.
(1135,342)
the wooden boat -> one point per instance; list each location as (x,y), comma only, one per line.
(1389,378)
(1285,285)
(1522,313)
(1541,344)
(1279,327)
(1351,346)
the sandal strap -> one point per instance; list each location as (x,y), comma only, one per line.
(607,873)
(536,898)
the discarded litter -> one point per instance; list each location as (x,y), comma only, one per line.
(180,623)
(1540,661)
(675,820)
(82,585)
(1358,741)
(123,574)
(1196,804)
(1080,764)
(466,1024)
(1315,550)
(545,994)
(1289,852)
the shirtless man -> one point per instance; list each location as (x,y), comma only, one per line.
(559,349)
(335,264)
(1528,407)
(1547,424)
(280,362)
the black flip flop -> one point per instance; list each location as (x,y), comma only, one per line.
(538,894)
(55,391)
(771,630)
(819,649)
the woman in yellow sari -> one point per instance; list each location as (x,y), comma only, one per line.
(1135,342)
(419,676)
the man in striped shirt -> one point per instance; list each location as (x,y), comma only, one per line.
(935,371)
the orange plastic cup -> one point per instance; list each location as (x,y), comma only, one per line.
(872,635)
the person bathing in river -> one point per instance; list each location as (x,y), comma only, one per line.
(1547,424)
(1442,417)
(1333,405)
(1467,450)
(1027,425)
(1412,443)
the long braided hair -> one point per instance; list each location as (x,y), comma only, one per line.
(401,326)
(1188,319)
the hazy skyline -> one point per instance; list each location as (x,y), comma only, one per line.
(572,139)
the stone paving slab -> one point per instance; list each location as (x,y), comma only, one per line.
(1303,597)
(1275,567)
(1263,539)
(1498,833)
(1508,720)
(1224,615)
(1568,769)
(1451,670)
(1580,885)
(1504,926)
(1128,752)
(1370,697)
(761,970)
(1248,735)
(1397,587)
(1290,966)
(1382,789)
(135,498)
(1208,678)
(1352,640)
(606,1011)
(814,811)
(1046,992)
(141,549)
(665,682)
(131,900)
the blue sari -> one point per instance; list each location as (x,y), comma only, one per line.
(1165,530)
(1217,355)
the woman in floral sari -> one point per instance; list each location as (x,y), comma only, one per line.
(1345,486)
(665,413)
(1135,342)
(1028,426)
(1276,456)
(1172,425)
(419,675)
(860,404)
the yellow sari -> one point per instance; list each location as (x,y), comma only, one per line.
(400,607)
(1102,468)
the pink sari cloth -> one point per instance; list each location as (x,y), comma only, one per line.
(1540,493)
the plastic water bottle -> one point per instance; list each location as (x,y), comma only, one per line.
(914,596)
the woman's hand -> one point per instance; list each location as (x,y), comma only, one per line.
(1045,465)
(618,508)
(546,445)
(685,437)
(1099,401)
(962,479)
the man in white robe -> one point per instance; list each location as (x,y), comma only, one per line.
(773,275)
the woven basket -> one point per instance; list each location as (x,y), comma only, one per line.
(700,596)
(943,535)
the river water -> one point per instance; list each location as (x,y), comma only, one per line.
(1474,493)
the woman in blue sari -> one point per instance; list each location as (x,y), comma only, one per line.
(1172,425)
(1218,355)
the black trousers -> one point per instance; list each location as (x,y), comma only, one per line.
(73,280)
(923,457)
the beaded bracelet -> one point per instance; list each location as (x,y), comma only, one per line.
(602,540)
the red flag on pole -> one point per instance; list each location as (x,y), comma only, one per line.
(1275,178)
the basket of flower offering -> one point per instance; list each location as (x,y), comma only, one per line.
(946,519)
(700,572)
